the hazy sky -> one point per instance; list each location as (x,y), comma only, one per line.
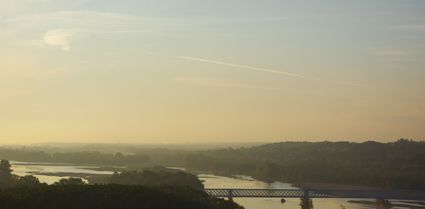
(211,70)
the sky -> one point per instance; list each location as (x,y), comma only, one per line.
(191,71)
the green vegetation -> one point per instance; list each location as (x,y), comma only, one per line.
(6,177)
(399,164)
(109,197)
(8,180)
(70,181)
(157,177)
(73,193)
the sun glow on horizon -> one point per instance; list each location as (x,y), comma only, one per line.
(168,72)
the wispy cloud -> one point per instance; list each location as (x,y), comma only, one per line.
(56,38)
(75,19)
(222,84)
(240,66)
(92,21)
(83,25)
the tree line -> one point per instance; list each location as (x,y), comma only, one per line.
(85,157)
(398,164)
(156,176)
(127,190)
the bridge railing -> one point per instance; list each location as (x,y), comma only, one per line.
(295,193)
(300,193)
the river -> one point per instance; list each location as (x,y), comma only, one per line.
(210,181)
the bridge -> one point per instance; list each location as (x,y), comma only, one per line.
(300,193)
(306,196)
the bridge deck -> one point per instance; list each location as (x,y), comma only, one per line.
(299,193)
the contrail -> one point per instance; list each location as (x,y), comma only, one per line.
(241,66)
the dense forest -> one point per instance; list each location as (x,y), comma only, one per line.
(157,176)
(390,165)
(109,197)
(397,164)
(126,190)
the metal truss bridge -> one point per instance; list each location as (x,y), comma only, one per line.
(309,194)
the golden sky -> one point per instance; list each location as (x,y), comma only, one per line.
(169,71)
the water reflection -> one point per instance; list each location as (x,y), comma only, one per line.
(210,181)
(38,169)
(243,182)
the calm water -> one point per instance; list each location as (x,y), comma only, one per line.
(210,181)
(25,168)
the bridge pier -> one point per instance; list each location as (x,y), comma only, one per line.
(306,202)
(306,196)
(230,195)
(383,203)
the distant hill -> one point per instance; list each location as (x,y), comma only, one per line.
(399,164)
(125,148)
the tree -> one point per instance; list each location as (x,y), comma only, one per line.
(6,177)
(156,177)
(70,181)
(28,181)
(5,168)
(110,197)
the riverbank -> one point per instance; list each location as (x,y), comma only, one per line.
(228,181)
(325,186)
